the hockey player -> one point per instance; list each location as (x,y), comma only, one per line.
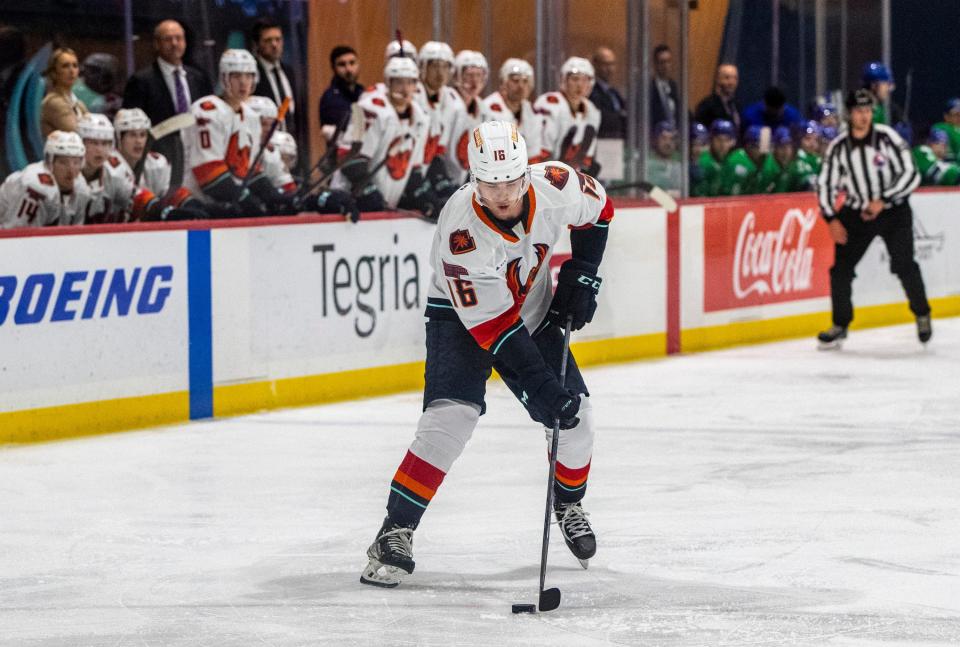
(801,173)
(951,126)
(826,114)
(663,167)
(114,193)
(287,146)
(490,306)
(828,134)
(723,137)
(878,78)
(393,50)
(774,164)
(738,175)
(224,142)
(470,71)
(699,143)
(512,103)
(131,127)
(570,120)
(273,166)
(387,170)
(50,192)
(930,159)
(439,101)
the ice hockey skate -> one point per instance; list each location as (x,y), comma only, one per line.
(391,556)
(576,531)
(924,329)
(832,338)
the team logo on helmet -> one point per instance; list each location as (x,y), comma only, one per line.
(477,139)
(557,176)
(462,242)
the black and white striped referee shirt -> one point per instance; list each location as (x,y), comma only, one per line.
(878,167)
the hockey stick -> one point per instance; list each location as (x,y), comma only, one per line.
(362,183)
(327,165)
(549,599)
(589,134)
(166,127)
(281,115)
(654,192)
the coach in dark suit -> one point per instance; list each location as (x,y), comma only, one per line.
(664,96)
(166,88)
(722,103)
(277,80)
(607,99)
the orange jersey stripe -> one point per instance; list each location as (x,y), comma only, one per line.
(414,485)
(489,331)
(207,173)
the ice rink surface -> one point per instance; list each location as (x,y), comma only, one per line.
(765,495)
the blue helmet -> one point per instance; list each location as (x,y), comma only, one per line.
(829,133)
(752,135)
(698,132)
(723,127)
(810,127)
(824,110)
(665,126)
(782,136)
(938,136)
(905,131)
(952,104)
(876,71)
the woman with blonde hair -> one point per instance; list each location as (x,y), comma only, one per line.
(61,108)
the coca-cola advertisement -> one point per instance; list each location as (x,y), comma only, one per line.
(768,251)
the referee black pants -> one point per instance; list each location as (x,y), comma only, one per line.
(895,226)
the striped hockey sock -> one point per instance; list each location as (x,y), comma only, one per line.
(570,484)
(412,489)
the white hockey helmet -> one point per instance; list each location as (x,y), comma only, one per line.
(95,126)
(516,66)
(393,50)
(284,142)
(131,119)
(263,106)
(576,65)
(435,51)
(67,144)
(400,68)
(497,154)
(238,60)
(469,58)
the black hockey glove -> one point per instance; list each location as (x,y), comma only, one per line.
(419,195)
(337,201)
(576,295)
(370,199)
(550,402)
(593,170)
(249,206)
(437,176)
(183,212)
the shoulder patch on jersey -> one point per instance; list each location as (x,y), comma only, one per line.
(114,161)
(557,176)
(377,101)
(208,105)
(552,98)
(462,242)
(45,178)
(496,107)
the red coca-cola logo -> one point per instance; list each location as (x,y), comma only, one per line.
(773,251)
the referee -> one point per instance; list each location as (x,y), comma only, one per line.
(874,167)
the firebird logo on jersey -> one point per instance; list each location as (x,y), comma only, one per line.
(238,159)
(208,105)
(430,149)
(557,176)
(521,288)
(462,242)
(397,162)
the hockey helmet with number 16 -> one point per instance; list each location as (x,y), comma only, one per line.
(497,154)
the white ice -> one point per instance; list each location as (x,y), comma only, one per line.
(765,495)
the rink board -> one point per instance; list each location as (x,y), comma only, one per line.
(112,328)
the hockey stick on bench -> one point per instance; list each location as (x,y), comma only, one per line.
(655,193)
(166,127)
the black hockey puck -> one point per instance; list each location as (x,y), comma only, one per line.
(524,608)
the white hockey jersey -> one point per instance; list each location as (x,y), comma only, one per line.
(156,174)
(529,123)
(564,128)
(223,141)
(387,137)
(114,195)
(466,119)
(493,278)
(31,198)
(275,170)
(442,113)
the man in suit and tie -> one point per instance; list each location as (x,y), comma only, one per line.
(276,78)
(166,88)
(664,96)
(613,114)
(722,104)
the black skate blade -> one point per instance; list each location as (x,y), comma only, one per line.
(549,599)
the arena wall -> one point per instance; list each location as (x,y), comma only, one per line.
(106,329)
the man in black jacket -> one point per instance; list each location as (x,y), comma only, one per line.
(722,104)
(344,88)
(166,88)
(607,99)
(664,95)
(277,80)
